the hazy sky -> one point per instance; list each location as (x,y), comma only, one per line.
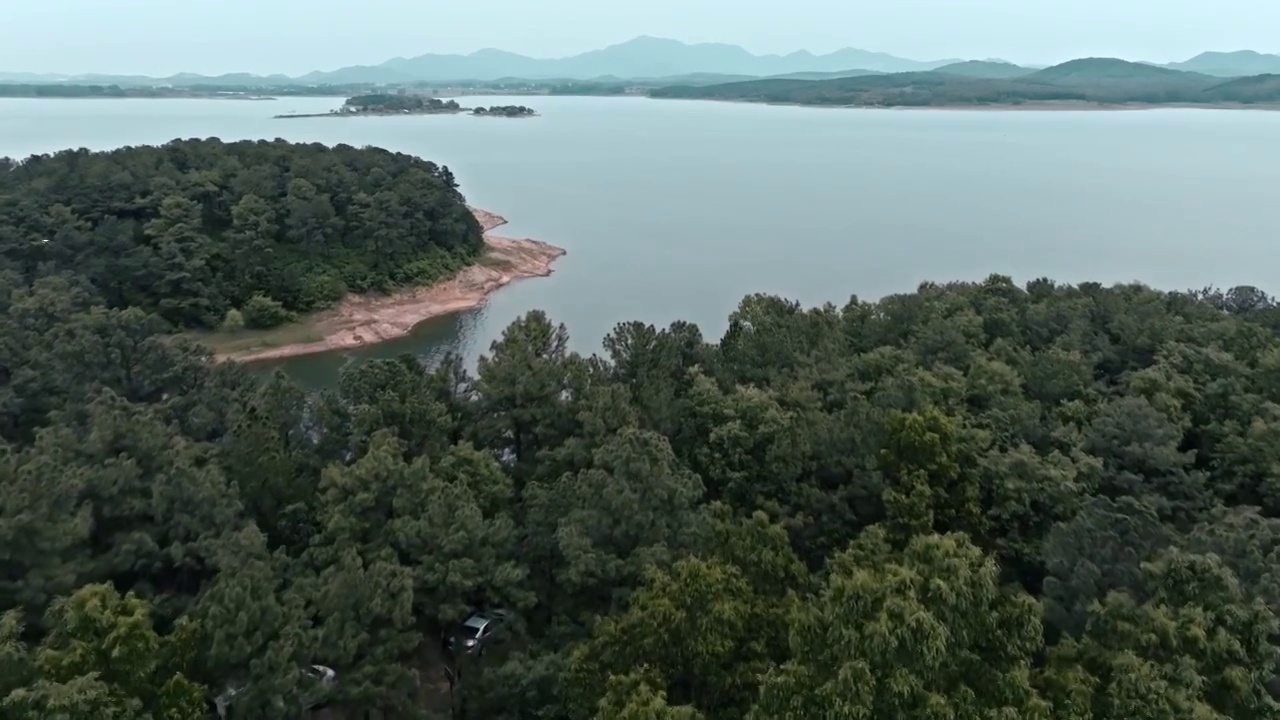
(160,37)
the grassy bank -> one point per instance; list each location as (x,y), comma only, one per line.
(223,342)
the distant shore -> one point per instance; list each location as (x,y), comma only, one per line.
(1085,105)
(1039,106)
(362,320)
(193,96)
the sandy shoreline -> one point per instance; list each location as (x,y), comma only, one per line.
(361,320)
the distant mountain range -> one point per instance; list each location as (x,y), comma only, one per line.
(641,58)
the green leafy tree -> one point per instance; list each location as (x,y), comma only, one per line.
(233,321)
(927,632)
(593,534)
(927,490)
(44,528)
(1198,648)
(750,450)
(693,631)
(1099,551)
(16,667)
(1247,543)
(632,698)
(262,312)
(103,659)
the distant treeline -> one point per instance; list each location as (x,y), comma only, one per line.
(589,88)
(59,90)
(1095,80)
(82,91)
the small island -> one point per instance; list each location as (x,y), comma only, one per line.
(383,104)
(504,111)
(386,104)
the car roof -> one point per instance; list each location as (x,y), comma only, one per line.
(476,621)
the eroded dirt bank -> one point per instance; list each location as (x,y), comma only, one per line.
(366,319)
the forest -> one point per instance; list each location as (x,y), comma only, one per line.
(1094,80)
(202,232)
(975,500)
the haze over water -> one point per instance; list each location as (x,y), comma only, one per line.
(676,210)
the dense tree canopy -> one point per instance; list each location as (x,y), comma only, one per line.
(977,500)
(195,228)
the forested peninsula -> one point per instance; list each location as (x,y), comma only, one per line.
(246,236)
(975,500)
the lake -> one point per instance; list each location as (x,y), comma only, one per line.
(677,209)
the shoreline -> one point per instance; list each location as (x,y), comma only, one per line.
(1090,106)
(361,320)
(1037,106)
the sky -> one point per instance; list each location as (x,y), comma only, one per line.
(162,37)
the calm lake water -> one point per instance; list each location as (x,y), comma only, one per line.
(676,210)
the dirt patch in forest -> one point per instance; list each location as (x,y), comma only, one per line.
(361,320)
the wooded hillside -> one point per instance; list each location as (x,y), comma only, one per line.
(975,500)
(1096,80)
